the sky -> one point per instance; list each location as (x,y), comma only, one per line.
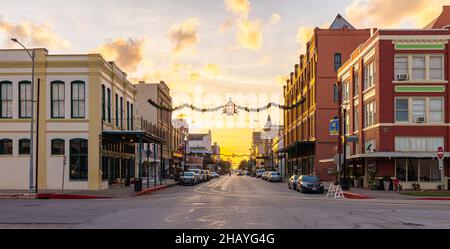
(207,51)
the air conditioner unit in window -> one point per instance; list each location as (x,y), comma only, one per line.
(419,119)
(402,77)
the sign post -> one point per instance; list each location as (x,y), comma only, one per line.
(63,173)
(440,156)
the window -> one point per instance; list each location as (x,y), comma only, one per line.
(337,61)
(5,147)
(58,99)
(78,99)
(132,117)
(103,103)
(6,98)
(117,110)
(336,93)
(418,110)
(356,119)
(78,159)
(128,115)
(58,147)
(121,112)
(401,67)
(369,75)
(345,91)
(369,114)
(436,110)
(418,67)
(401,110)
(347,123)
(25,99)
(370,146)
(24,146)
(436,67)
(109,105)
(417,170)
(355,83)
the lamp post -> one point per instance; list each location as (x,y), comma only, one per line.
(32,56)
(185,152)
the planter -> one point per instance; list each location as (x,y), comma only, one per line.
(386,185)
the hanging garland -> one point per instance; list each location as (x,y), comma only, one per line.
(230,108)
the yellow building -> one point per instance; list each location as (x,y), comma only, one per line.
(87,126)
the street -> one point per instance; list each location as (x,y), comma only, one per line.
(236,202)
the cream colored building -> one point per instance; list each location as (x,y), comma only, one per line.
(81,97)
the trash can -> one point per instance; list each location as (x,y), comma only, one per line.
(138,185)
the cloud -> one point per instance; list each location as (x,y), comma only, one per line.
(127,54)
(184,35)
(304,34)
(241,7)
(274,19)
(194,76)
(250,34)
(384,14)
(265,60)
(212,69)
(226,25)
(33,35)
(281,79)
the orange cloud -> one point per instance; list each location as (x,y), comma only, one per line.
(250,34)
(238,6)
(127,54)
(184,35)
(34,35)
(212,69)
(384,14)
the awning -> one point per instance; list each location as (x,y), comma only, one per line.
(398,155)
(300,144)
(130,137)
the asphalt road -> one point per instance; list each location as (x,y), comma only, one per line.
(229,202)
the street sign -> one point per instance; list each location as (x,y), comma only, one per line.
(334,127)
(440,153)
(352,139)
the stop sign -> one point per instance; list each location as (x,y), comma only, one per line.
(440,153)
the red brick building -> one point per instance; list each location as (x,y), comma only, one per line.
(307,139)
(395,93)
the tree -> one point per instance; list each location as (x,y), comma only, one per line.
(243,165)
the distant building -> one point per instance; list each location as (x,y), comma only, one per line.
(200,145)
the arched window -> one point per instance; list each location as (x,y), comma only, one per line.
(25,99)
(6,99)
(58,147)
(24,146)
(78,159)
(5,146)
(337,61)
(57,99)
(78,99)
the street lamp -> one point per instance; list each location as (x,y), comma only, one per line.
(32,56)
(185,152)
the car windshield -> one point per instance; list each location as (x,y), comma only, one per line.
(188,173)
(310,179)
(295,177)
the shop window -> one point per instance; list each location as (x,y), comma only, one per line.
(58,147)
(5,147)
(78,159)
(24,146)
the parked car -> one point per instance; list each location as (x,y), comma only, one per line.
(204,176)
(310,184)
(188,177)
(198,174)
(214,175)
(274,177)
(259,173)
(292,182)
(266,175)
(208,174)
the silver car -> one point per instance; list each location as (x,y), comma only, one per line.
(274,177)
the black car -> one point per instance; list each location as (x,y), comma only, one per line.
(292,182)
(188,177)
(309,184)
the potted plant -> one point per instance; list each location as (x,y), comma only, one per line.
(386,182)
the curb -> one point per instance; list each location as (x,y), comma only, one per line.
(68,196)
(154,189)
(17,196)
(350,195)
(433,199)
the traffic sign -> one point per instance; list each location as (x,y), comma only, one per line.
(440,153)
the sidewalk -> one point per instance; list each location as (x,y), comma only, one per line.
(111,192)
(379,194)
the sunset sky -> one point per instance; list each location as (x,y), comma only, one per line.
(206,50)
